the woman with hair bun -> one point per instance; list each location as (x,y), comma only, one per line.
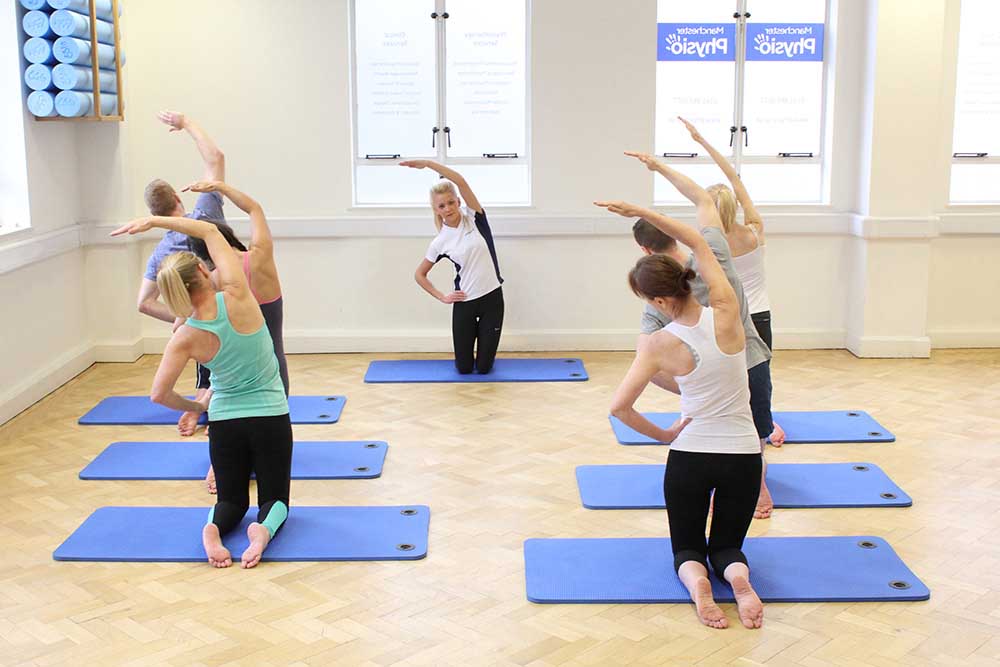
(714,446)
(464,238)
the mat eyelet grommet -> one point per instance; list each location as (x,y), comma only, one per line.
(861,468)
(853,414)
(888,496)
(361,469)
(371,445)
(568,361)
(574,375)
(874,434)
(408,512)
(899,585)
(405,547)
(865,544)
(331,398)
(323,417)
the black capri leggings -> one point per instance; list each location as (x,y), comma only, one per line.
(239,447)
(762,323)
(480,319)
(687,488)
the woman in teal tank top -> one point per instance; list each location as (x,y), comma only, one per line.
(250,431)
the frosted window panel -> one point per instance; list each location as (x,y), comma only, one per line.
(789,183)
(395,50)
(683,11)
(702,174)
(783,107)
(400,186)
(975,183)
(486,77)
(701,92)
(787,11)
(977,94)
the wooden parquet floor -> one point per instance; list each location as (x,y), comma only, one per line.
(496,464)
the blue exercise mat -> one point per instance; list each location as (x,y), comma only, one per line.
(132,410)
(189,460)
(782,569)
(800,427)
(173,534)
(633,487)
(504,370)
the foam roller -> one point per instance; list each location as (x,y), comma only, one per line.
(101,7)
(38,77)
(77,52)
(70,24)
(42,104)
(72,104)
(36,24)
(71,77)
(32,4)
(38,50)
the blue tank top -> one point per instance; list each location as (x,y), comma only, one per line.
(245,377)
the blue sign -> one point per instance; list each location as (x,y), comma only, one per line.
(790,42)
(696,41)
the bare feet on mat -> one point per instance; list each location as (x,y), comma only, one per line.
(188,423)
(218,555)
(210,480)
(777,437)
(764,504)
(259,537)
(708,612)
(747,603)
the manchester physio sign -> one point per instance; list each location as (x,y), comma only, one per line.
(796,42)
(696,41)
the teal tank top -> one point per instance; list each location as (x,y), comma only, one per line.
(245,377)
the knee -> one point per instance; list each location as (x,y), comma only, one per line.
(484,367)
(463,369)
(723,558)
(685,555)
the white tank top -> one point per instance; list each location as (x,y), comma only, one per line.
(715,395)
(750,269)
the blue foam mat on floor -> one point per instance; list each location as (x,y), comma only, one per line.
(189,460)
(135,410)
(173,534)
(823,426)
(504,370)
(782,569)
(791,484)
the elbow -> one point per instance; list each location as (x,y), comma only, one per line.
(157,395)
(144,308)
(619,411)
(217,158)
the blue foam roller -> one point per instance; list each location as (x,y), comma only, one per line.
(102,8)
(36,24)
(32,4)
(825,426)
(504,370)
(70,24)
(189,460)
(38,50)
(42,104)
(134,410)
(73,103)
(38,76)
(73,77)
(173,534)
(782,569)
(77,52)
(621,487)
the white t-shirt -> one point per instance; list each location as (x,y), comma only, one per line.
(469,247)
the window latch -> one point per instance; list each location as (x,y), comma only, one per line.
(746,135)
(967,155)
(795,154)
(382,156)
(500,155)
(434,131)
(732,133)
(434,15)
(447,133)
(684,155)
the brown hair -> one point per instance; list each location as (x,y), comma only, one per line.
(725,202)
(160,197)
(660,276)
(648,236)
(177,275)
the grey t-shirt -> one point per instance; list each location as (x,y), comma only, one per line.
(653,320)
(208,207)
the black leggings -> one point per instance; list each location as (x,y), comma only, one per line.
(762,323)
(687,488)
(480,319)
(239,447)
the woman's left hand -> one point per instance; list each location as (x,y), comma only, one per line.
(137,226)
(676,428)
(650,161)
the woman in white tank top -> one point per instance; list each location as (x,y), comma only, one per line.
(747,244)
(714,446)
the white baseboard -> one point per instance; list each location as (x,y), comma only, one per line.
(38,385)
(956,338)
(121,351)
(889,347)
(809,339)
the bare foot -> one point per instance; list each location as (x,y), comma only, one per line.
(708,612)
(218,555)
(777,437)
(259,537)
(747,603)
(764,504)
(188,423)
(210,480)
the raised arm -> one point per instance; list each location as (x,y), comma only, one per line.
(260,233)
(750,213)
(463,187)
(211,155)
(705,212)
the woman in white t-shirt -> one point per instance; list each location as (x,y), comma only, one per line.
(464,238)
(747,244)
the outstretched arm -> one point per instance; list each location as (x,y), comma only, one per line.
(463,187)
(211,155)
(260,233)
(750,213)
(705,211)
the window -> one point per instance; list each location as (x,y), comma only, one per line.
(975,169)
(750,75)
(444,80)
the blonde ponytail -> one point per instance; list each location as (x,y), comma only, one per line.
(177,275)
(725,202)
(442,187)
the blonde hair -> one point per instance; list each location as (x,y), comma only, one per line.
(725,202)
(440,188)
(160,197)
(178,274)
